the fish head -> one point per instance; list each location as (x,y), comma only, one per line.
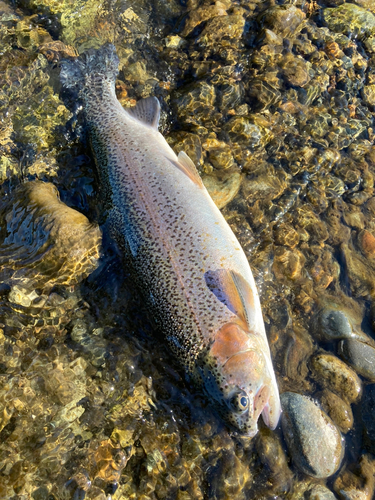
(236,372)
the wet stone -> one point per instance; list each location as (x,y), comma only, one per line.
(264,183)
(350,19)
(357,481)
(360,356)
(223,30)
(361,275)
(241,130)
(338,410)
(224,189)
(286,235)
(333,325)
(41,493)
(219,153)
(204,13)
(194,103)
(314,442)
(369,94)
(272,455)
(370,44)
(366,242)
(366,4)
(284,20)
(59,242)
(319,492)
(229,95)
(174,42)
(288,263)
(335,375)
(295,70)
(22,296)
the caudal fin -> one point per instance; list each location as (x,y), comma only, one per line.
(92,72)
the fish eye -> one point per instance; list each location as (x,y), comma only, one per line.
(240,401)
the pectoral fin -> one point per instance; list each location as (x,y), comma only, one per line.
(232,290)
(147,111)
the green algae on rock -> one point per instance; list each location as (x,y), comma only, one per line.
(349,18)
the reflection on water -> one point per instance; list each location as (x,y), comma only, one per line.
(274,101)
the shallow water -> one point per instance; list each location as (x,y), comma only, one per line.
(275,104)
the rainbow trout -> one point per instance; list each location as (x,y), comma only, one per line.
(186,260)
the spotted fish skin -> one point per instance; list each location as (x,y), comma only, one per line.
(186,260)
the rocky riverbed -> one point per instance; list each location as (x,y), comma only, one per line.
(274,102)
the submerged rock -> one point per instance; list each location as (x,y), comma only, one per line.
(335,324)
(357,481)
(44,241)
(223,30)
(350,19)
(319,492)
(223,190)
(335,375)
(360,356)
(314,442)
(285,20)
(295,70)
(204,13)
(339,411)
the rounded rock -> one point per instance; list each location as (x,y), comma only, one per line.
(349,19)
(241,130)
(338,410)
(286,235)
(60,242)
(319,492)
(222,30)
(313,440)
(335,325)
(360,356)
(284,20)
(295,70)
(288,264)
(369,94)
(223,190)
(335,375)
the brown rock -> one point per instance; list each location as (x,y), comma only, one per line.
(335,375)
(357,482)
(339,411)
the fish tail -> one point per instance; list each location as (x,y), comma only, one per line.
(91,73)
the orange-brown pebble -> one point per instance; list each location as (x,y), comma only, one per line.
(367,243)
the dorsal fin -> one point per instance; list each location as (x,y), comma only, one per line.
(146,111)
(232,290)
(186,165)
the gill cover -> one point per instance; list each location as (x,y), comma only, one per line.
(238,368)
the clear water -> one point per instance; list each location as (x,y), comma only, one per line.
(280,124)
